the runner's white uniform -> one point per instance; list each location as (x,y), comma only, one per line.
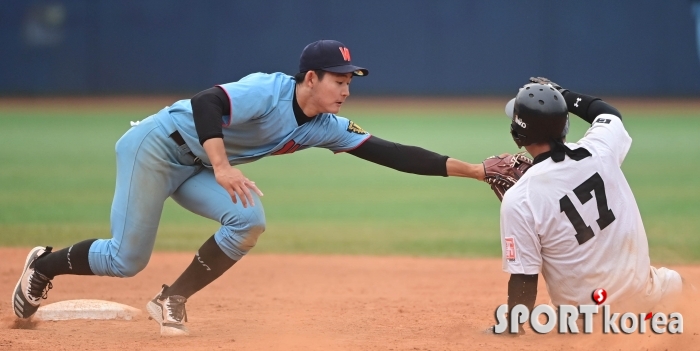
(540,214)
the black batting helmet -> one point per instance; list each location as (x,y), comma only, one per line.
(538,114)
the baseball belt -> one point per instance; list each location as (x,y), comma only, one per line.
(180,141)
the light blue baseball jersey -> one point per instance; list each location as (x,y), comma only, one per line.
(262,122)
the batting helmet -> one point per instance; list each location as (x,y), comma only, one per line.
(538,114)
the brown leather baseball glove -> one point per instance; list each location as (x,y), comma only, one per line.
(503,171)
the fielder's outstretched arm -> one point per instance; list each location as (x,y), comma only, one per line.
(209,105)
(416,160)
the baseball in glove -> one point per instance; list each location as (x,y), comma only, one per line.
(503,171)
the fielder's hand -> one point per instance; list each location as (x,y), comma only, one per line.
(503,171)
(235,183)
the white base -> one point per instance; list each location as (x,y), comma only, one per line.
(85,309)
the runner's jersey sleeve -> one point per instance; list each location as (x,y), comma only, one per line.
(608,136)
(520,244)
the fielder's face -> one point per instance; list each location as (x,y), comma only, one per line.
(330,92)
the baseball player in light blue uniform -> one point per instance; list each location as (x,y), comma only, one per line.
(188,151)
(261,112)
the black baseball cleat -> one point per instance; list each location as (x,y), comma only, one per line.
(32,285)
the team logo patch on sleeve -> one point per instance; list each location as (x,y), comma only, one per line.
(510,249)
(354,128)
(602,120)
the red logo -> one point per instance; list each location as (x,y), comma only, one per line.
(510,249)
(599,296)
(345,52)
(288,148)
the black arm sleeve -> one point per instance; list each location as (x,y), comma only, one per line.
(588,107)
(522,290)
(409,159)
(207,108)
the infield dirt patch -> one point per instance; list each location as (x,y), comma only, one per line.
(298,302)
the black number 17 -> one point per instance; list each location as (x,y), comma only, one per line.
(583,193)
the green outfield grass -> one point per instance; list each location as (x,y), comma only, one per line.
(57,179)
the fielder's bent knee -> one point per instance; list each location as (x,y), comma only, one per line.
(251,238)
(236,238)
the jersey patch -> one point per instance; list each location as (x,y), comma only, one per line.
(510,249)
(602,120)
(354,128)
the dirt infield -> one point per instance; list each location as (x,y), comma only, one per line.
(296,302)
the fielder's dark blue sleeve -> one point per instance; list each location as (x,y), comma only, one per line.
(404,158)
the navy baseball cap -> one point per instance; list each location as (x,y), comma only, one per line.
(329,55)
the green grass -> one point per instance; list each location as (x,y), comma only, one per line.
(57,179)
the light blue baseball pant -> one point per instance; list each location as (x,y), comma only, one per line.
(150,168)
